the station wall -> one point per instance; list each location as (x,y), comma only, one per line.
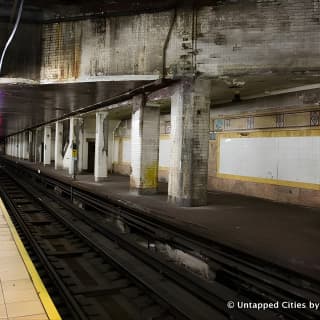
(268,148)
(271,152)
(278,157)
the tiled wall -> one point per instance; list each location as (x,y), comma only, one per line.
(282,122)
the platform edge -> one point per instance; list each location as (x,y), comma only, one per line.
(42,292)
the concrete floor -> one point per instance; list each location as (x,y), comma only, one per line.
(284,234)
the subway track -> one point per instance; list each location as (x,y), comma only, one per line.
(107,262)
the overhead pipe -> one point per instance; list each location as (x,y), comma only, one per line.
(165,46)
(12,33)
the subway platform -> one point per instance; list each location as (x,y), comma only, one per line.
(284,234)
(23,296)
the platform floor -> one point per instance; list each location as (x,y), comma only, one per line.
(285,234)
(19,299)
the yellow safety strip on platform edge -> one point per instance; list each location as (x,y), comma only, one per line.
(43,294)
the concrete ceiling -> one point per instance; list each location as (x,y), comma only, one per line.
(23,106)
(250,86)
(48,10)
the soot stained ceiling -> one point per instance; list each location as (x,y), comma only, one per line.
(39,10)
(24,106)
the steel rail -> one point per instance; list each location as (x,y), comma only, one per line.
(73,306)
(137,217)
(178,306)
(238,271)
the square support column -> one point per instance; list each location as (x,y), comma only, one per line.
(11,146)
(9,141)
(30,146)
(80,142)
(72,141)
(47,146)
(25,153)
(145,132)
(37,146)
(17,146)
(190,119)
(20,145)
(101,147)
(76,141)
(16,153)
(58,159)
(22,142)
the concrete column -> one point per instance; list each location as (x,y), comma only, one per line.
(76,138)
(37,145)
(9,146)
(14,149)
(190,116)
(145,131)
(25,152)
(19,140)
(58,159)
(17,146)
(30,146)
(13,146)
(80,143)
(16,153)
(47,146)
(72,141)
(21,145)
(101,147)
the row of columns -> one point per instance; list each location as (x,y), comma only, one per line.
(190,108)
(27,145)
(17,146)
(188,172)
